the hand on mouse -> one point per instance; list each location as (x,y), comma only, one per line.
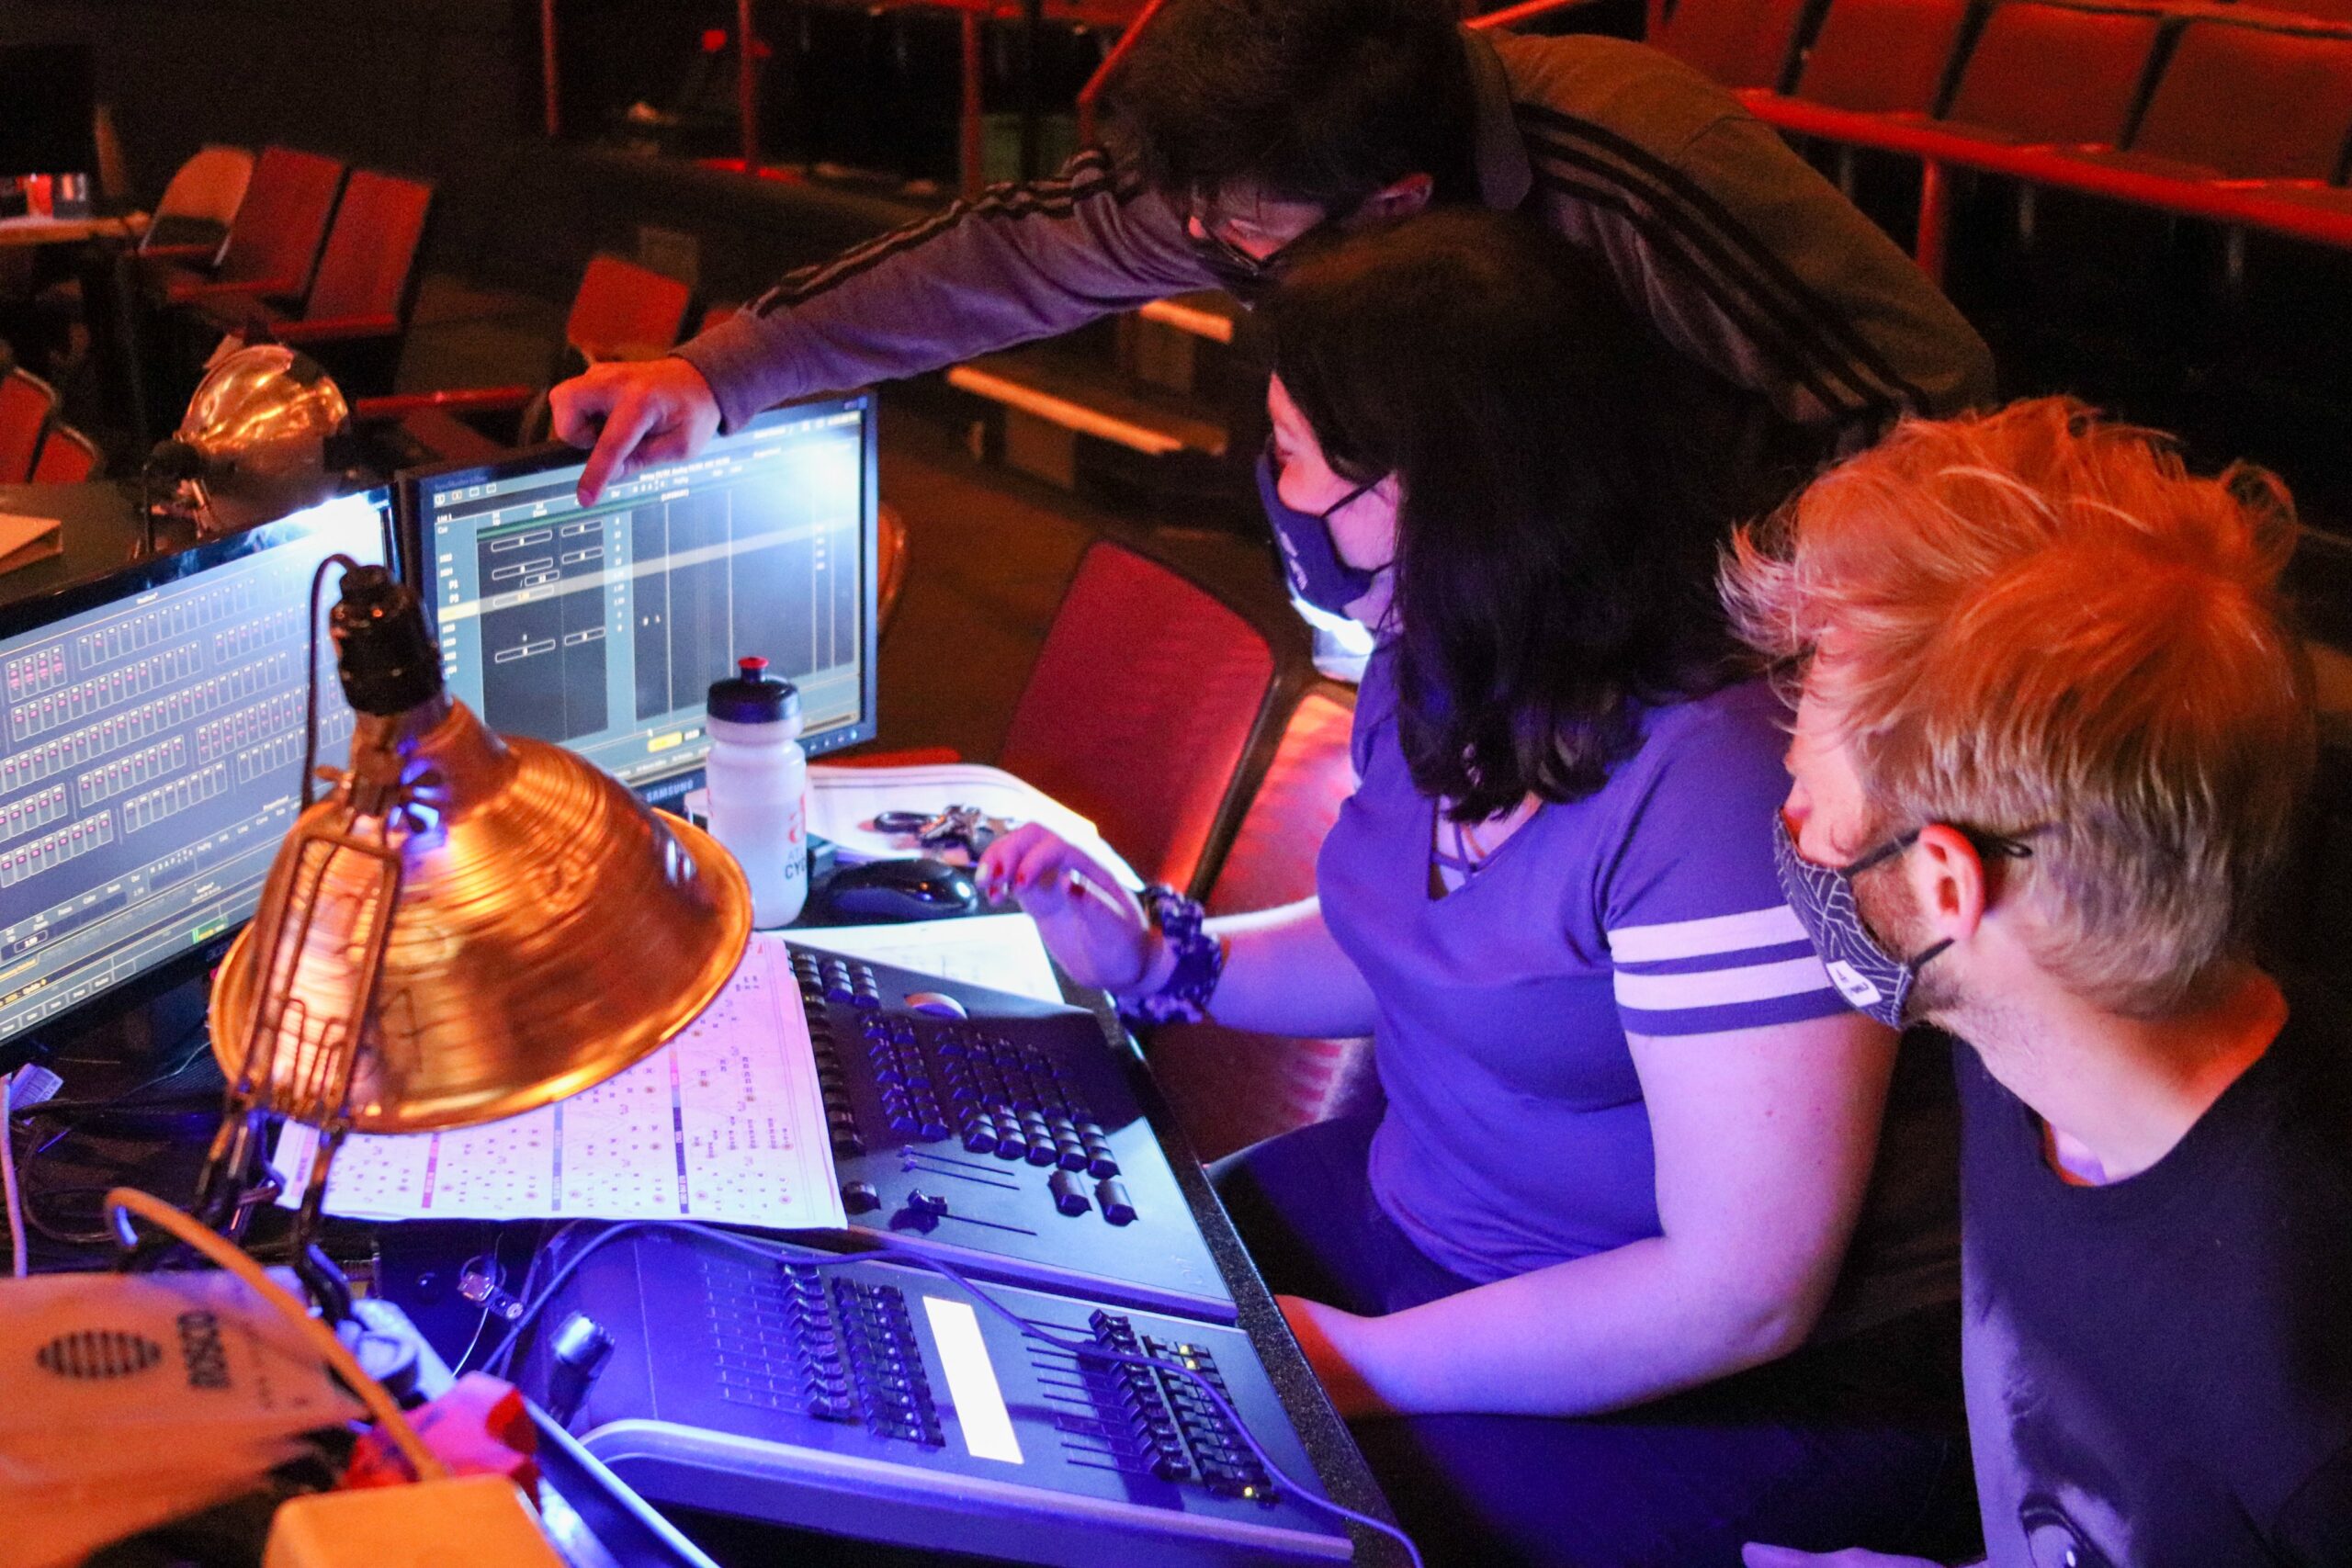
(1094,927)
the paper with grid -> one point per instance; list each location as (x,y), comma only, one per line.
(724,1124)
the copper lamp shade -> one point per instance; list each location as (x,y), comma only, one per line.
(258,427)
(547,932)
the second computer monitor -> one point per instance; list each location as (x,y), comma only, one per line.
(602,629)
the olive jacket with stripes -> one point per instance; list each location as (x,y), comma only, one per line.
(1738,252)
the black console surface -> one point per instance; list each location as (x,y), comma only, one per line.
(874,1398)
(1011,1138)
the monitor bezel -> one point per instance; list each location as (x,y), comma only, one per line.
(30,615)
(415,554)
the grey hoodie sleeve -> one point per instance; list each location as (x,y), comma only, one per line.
(1017,263)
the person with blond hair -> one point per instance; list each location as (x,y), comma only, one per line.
(2052,732)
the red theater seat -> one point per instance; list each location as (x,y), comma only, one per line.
(273,244)
(194,215)
(67,457)
(1740,43)
(1882,56)
(1230,1089)
(2247,99)
(623,311)
(27,405)
(2055,73)
(1141,709)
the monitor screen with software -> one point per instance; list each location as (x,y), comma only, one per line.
(151,756)
(602,629)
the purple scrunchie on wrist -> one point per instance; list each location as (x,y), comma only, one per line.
(1200,962)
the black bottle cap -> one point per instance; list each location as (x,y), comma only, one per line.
(384,654)
(752,696)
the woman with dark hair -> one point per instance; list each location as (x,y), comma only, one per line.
(1580,1281)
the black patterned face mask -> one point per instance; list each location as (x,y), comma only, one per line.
(1873,981)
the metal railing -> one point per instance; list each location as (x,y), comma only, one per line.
(1527,11)
(971,120)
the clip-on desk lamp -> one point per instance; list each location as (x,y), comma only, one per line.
(466,929)
(263,436)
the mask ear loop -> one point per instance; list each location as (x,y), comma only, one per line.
(1326,515)
(1346,501)
(1895,846)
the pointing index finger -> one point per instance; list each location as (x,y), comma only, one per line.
(616,443)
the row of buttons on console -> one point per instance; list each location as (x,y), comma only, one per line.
(784,1342)
(1161,1421)
(1009,1101)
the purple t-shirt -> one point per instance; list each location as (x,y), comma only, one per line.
(1515,1135)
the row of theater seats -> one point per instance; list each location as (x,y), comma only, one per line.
(2143,203)
(288,246)
(311,253)
(2238,112)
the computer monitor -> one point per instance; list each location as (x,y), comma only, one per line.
(150,758)
(601,628)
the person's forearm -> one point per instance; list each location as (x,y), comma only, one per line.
(1020,263)
(1598,1334)
(1286,975)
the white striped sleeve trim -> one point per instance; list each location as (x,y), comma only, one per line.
(1720,987)
(1699,939)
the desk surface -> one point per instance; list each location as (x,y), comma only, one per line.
(30,230)
(101,533)
(416,1265)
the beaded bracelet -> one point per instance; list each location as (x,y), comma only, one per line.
(1200,962)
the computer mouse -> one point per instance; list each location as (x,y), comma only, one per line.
(890,890)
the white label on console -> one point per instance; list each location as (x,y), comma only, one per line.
(980,1414)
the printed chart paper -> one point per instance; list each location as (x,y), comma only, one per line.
(724,1124)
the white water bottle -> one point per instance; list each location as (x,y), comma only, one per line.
(759,788)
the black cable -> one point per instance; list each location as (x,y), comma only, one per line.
(78,1115)
(499,1359)
(128,1101)
(99,1235)
(311,676)
(497,1276)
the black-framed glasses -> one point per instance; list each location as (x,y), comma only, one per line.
(1986,843)
(1203,225)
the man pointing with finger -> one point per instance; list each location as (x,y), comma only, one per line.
(1253,125)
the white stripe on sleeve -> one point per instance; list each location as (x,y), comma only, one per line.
(1697,939)
(1720,987)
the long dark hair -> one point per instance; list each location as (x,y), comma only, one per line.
(1559,522)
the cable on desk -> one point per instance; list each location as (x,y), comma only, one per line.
(331,1349)
(496,1274)
(13,1198)
(128,1101)
(500,1359)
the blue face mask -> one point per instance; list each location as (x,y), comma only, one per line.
(1317,574)
(1873,981)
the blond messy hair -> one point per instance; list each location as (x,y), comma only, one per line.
(2045,625)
